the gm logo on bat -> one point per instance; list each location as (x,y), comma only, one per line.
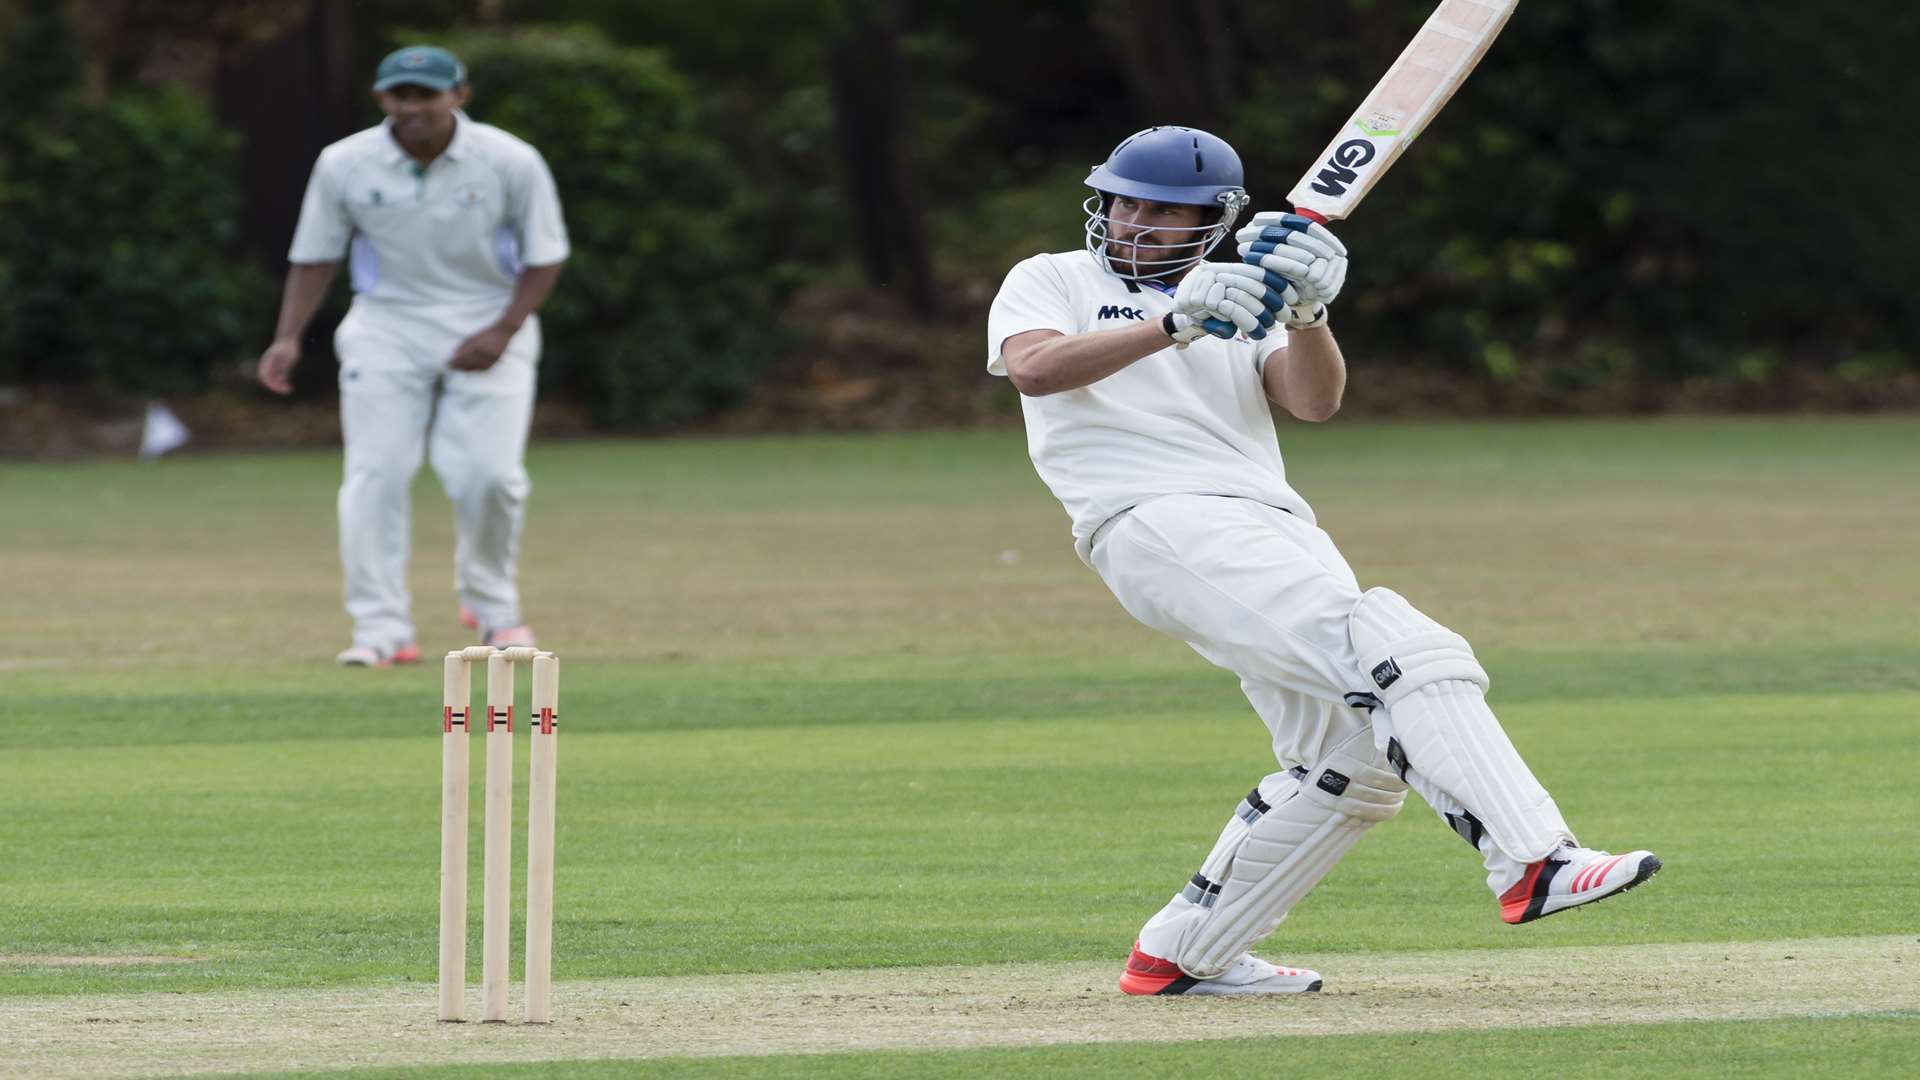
(1343,167)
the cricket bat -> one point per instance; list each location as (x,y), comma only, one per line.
(1435,63)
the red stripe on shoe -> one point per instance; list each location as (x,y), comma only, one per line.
(1588,875)
(1605,869)
(1611,863)
(1591,877)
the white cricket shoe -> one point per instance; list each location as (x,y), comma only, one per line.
(1150,975)
(1573,876)
(512,637)
(368,656)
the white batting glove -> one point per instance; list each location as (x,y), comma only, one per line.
(1299,249)
(1288,302)
(1298,310)
(1224,300)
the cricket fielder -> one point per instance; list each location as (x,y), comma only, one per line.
(1148,376)
(453,233)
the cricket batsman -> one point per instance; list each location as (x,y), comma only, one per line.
(1148,377)
(453,234)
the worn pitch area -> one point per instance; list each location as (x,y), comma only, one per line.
(958,1007)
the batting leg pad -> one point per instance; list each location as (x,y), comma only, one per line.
(1283,838)
(1434,693)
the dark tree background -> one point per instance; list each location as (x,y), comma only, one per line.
(1627,193)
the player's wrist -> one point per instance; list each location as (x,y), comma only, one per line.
(1181,329)
(1317,322)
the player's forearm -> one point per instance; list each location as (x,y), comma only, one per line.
(1312,376)
(535,283)
(1071,361)
(306,287)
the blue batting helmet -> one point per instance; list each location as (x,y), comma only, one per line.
(1167,165)
(1171,165)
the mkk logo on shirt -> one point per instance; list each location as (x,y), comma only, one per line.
(1115,311)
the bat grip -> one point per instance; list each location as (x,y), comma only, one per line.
(1309,214)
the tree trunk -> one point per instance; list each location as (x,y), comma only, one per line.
(288,98)
(1179,72)
(869,88)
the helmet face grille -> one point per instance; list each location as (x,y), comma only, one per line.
(1161,260)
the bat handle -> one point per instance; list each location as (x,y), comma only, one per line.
(1310,214)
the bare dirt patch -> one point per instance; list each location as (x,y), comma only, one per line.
(956,1007)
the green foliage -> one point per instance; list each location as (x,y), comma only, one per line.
(117,219)
(1625,191)
(666,310)
(1620,176)
(40,60)
(1007,224)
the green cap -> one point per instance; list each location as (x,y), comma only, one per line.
(420,65)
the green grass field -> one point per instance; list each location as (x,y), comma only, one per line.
(864,774)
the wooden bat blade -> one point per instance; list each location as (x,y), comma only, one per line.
(1414,89)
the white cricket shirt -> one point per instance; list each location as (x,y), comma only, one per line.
(1191,421)
(445,243)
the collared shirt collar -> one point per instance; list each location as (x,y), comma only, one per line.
(456,147)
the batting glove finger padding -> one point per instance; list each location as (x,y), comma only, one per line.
(1283,298)
(1257,227)
(1245,311)
(1221,305)
(1288,262)
(1299,249)
(1248,292)
(1317,239)
(1273,228)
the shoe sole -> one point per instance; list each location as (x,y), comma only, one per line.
(1647,869)
(1311,988)
(1183,987)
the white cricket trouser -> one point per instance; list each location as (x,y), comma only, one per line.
(1266,595)
(398,400)
(1255,590)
